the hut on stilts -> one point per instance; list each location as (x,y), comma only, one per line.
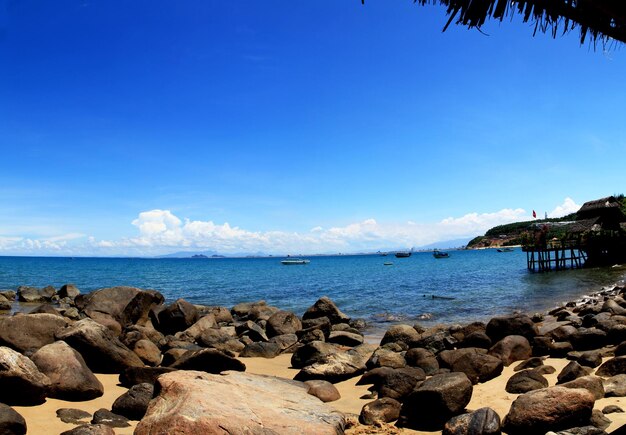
(596,238)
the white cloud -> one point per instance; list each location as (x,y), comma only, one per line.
(568,206)
(161,231)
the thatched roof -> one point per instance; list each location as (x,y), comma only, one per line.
(582,225)
(598,207)
(599,19)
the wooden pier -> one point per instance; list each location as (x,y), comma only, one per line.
(557,257)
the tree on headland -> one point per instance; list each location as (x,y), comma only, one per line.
(600,20)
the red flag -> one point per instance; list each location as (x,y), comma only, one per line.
(534,214)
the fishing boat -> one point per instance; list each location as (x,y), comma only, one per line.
(506,250)
(404,254)
(294,261)
(440,254)
(387,263)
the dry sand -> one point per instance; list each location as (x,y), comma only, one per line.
(42,419)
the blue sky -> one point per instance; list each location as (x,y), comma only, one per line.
(146,127)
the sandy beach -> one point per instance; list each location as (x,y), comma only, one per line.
(42,419)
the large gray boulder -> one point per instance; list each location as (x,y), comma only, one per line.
(283,322)
(102,351)
(28,332)
(519,324)
(338,366)
(11,422)
(203,324)
(384,410)
(474,362)
(483,421)
(512,348)
(30,294)
(311,353)
(393,383)
(612,367)
(139,375)
(525,381)
(438,399)
(124,305)
(324,307)
(177,316)
(404,334)
(208,360)
(549,409)
(70,377)
(197,402)
(133,404)
(21,383)
(68,291)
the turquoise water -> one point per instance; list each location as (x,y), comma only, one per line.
(483,283)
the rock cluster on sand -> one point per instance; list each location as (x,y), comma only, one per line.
(184,364)
(55,351)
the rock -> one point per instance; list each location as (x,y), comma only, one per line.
(46,309)
(29,294)
(102,351)
(612,367)
(194,332)
(321,324)
(262,312)
(251,330)
(511,348)
(337,367)
(323,390)
(383,410)
(615,386)
(525,381)
(394,383)
(222,315)
(221,339)
(476,339)
(286,342)
(385,358)
(478,366)
(599,420)
(590,358)
(68,291)
(324,307)
(483,421)
(178,316)
(530,363)
(242,309)
(588,338)
(261,349)
(344,338)
(436,340)
(106,417)
(5,305)
(560,349)
(610,409)
(283,322)
(69,376)
(28,332)
(438,399)
(571,371)
(208,360)
(21,383)
(422,358)
(124,305)
(196,402)
(404,334)
(592,383)
(311,353)
(138,375)
(148,352)
(11,422)
(90,429)
(9,295)
(134,403)
(545,370)
(549,409)
(500,327)
(73,416)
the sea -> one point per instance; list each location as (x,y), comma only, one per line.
(472,285)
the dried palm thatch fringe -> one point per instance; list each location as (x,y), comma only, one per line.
(601,20)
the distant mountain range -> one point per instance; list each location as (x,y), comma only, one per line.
(456,243)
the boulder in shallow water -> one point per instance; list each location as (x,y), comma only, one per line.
(21,383)
(29,294)
(197,402)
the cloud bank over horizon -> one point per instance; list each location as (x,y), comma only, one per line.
(161,232)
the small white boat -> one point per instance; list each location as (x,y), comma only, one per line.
(293,261)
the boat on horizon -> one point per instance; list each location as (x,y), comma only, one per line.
(440,254)
(294,261)
(506,250)
(403,254)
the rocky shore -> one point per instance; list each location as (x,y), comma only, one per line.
(185,368)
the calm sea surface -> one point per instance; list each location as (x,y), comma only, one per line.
(483,283)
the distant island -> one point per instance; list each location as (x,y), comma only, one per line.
(205,256)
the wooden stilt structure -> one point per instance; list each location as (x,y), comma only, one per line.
(554,258)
